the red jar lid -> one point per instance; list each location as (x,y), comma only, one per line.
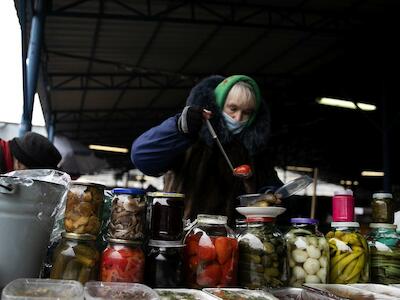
(260,219)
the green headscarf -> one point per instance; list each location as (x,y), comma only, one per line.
(222,91)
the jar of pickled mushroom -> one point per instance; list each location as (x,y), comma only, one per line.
(84,208)
(349,254)
(164,264)
(384,246)
(262,256)
(122,261)
(75,258)
(307,253)
(128,210)
(166,214)
(211,253)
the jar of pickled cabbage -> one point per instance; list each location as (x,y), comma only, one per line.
(128,210)
(211,253)
(122,261)
(307,253)
(349,254)
(384,246)
(164,264)
(75,258)
(84,208)
(262,255)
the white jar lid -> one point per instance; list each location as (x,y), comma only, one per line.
(345,224)
(382,196)
(382,225)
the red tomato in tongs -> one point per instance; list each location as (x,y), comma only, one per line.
(243,171)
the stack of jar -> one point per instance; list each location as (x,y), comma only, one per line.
(76,256)
(164,261)
(383,241)
(123,260)
(349,255)
(308,253)
(211,253)
(262,256)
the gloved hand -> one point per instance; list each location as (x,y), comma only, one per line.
(191,120)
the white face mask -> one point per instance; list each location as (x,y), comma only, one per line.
(234,126)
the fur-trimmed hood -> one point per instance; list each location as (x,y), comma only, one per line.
(254,137)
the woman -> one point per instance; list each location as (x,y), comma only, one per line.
(183,149)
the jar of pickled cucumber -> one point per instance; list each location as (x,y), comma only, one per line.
(384,246)
(349,254)
(262,256)
(382,208)
(307,253)
(75,258)
(211,253)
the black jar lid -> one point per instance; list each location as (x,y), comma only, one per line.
(166,244)
(78,236)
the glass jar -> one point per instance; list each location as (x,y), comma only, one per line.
(384,246)
(262,256)
(84,208)
(128,210)
(382,208)
(307,253)
(164,264)
(349,255)
(166,216)
(75,258)
(122,261)
(211,253)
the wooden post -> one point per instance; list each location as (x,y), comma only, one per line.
(314,196)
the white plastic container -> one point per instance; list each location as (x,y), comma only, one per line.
(42,289)
(181,294)
(98,290)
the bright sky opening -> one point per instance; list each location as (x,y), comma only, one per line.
(11,100)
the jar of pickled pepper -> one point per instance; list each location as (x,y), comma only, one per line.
(122,261)
(262,257)
(349,254)
(307,252)
(211,253)
(75,258)
(84,208)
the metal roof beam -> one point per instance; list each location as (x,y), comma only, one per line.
(225,14)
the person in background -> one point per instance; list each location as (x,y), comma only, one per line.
(183,149)
(32,151)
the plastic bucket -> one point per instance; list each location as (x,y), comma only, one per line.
(26,221)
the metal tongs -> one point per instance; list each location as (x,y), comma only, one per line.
(234,170)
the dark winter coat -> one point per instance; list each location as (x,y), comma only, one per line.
(197,168)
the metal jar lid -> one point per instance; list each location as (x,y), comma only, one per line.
(382,196)
(78,236)
(97,185)
(166,244)
(165,195)
(126,242)
(345,224)
(128,191)
(382,225)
